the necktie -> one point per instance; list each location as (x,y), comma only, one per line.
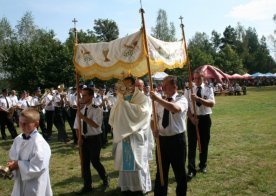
(198,93)
(84,124)
(8,106)
(166,115)
(28,105)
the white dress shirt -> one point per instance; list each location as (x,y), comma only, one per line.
(206,93)
(95,114)
(177,121)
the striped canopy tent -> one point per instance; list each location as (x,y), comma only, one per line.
(247,76)
(127,56)
(212,72)
(237,76)
(269,75)
(228,76)
(258,74)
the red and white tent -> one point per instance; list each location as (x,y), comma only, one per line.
(247,76)
(237,76)
(212,72)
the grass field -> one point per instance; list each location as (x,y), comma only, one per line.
(242,153)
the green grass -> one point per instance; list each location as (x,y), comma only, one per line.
(242,153)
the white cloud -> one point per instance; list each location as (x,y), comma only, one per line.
(254,10)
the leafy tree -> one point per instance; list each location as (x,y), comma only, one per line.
(26,28)
(272,38)
(216,40)
(106,30)
(253,42)
(263,59)
(42,62)
(6,32)
(162,30)
(240,32)
(229,37)
(200,50)
(239,45)
(229,61)
(35,58)
(250,47)
(172,32)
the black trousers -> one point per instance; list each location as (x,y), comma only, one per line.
(4,120)
(204,126)
(42,125)
(91,149)
(50,121)
(59,124)
(15,117)
(105,127)
(173,152)
(71,121)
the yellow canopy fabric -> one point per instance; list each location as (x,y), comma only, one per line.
(120,57)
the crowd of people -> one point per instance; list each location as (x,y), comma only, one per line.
(239,86)
(56,107)
(127,113)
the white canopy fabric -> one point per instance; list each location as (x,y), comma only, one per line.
(124,56)
(159,75)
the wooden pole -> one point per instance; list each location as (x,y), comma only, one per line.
(159,160)
(190,82)
(78,100)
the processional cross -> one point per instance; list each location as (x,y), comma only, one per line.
(75,22)
(181,24)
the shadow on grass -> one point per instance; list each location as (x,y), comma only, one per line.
(74,179)
(6,144)
(70,148)
(96,190)
(61,148)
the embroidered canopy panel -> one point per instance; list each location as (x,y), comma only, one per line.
(118,58)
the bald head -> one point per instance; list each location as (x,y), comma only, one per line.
(139,84)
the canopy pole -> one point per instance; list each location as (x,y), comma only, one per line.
(153,106)
(190,82)
(78,99)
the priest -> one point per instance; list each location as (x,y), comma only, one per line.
(130,121)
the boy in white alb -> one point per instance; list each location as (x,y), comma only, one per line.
(29,158)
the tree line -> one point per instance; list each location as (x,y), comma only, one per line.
(31,56)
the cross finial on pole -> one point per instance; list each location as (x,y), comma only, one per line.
(75,22)
(75,30)
(181,23)
(141,9)
(141,4)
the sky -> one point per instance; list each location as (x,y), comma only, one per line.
(198,15)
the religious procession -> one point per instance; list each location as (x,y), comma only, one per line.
(139,118)
(126,113)
(153,133)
